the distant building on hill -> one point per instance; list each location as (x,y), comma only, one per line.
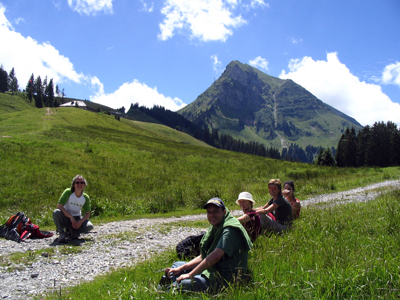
(77,104)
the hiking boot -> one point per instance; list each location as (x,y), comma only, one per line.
(74,235)
(164,282)
(62,238)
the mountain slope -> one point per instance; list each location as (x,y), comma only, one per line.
(253,106)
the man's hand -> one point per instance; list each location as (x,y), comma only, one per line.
(172,272)
(183,277)
(76,224)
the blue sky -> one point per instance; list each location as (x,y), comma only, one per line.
(118,52)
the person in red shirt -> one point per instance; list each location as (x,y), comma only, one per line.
(288,192)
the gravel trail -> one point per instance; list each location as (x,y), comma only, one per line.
(51,266)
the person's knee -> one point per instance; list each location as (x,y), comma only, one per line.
(186,285)
(87,226)
(57,214)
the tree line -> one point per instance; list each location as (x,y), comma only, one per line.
(42,92)
(373,146)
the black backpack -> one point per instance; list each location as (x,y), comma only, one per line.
(189,247)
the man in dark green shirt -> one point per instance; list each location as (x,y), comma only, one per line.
(224,253)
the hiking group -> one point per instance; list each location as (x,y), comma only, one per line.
(224,247)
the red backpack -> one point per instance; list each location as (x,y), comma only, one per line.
(19,227)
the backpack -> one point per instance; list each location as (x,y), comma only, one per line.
(10,229)
(189,247)
(19,227)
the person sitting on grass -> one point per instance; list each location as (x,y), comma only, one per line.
(288,192)
(250,220)
(279,206)
(68,212)
(224,252)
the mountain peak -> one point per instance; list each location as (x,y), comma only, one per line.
(253,106)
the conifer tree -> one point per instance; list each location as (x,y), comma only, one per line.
(394,145)
(376,152)
(351,148)
(362,143)
(3,80)
(50,94)
(38,88)
(325,158)
(30,87)
(13,82)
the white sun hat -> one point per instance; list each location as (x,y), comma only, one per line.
(245,196)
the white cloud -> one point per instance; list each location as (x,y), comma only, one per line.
(332,82)
(91,7)
(147,7)
(216,63)
(207,20)
(136,92)
(256,3)
(18,20)
(3,20)
(27,56)
(391,74)
(57,5)
(259,62)
(296,40)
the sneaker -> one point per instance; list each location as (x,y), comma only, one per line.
(62,238)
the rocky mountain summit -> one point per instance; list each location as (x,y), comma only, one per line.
(253,106)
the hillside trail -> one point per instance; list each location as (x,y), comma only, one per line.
(49,266)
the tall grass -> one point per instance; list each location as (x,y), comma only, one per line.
(349,251)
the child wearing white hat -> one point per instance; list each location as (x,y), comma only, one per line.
(250,220)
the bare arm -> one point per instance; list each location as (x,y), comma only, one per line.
(65,212)
(265,210)
(188,266)
(79,223)
(206,263)
(295,208)
(244,219)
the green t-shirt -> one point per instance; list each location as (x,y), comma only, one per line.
(234,260)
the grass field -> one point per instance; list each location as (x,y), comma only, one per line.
(349,251)
(136,168)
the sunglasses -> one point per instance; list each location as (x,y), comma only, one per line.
(79,182)
(272,188)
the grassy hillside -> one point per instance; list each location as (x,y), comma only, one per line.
(10,103)
(135,168)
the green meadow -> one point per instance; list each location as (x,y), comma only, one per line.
(137,169)
(348,251)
